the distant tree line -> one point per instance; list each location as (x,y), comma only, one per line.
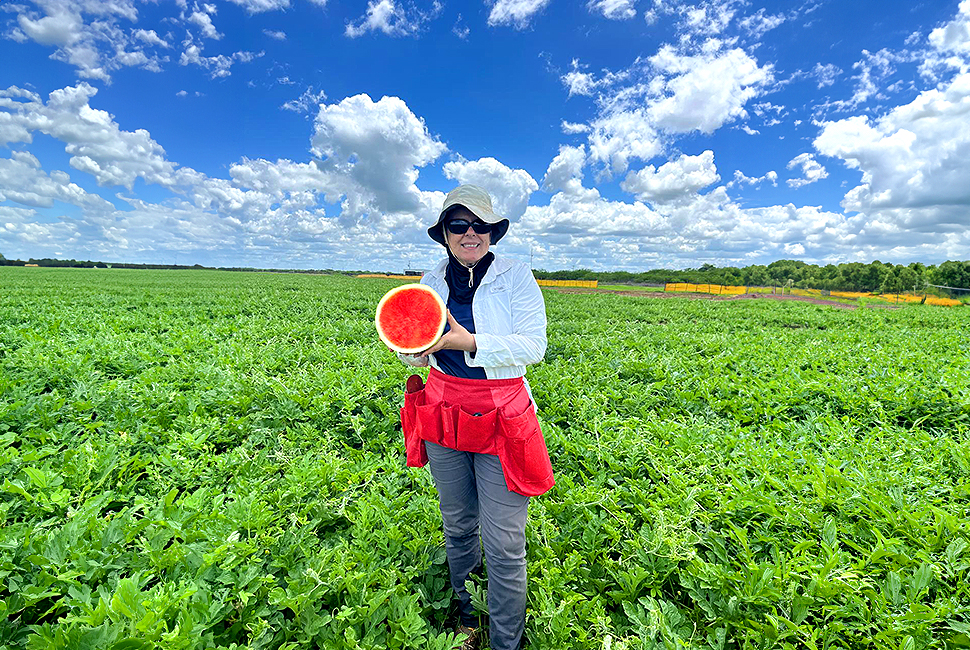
(88,264)
(850,276)
(77,264)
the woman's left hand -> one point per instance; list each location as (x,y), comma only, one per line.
(457,338)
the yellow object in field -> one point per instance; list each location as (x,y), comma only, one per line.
(716,289)
(590,284)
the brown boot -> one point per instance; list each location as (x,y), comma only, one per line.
(471,637)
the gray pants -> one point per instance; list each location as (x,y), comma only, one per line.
(475,502)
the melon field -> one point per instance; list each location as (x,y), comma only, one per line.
(198,459)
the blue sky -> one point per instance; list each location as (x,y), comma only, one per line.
(614,134)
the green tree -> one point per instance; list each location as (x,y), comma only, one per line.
(909,278)
(891,283)
(781,271)
(871,277)
(952,274)
(755,275)
(852,273)
(835,282)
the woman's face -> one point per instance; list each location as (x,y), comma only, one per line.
(468,247)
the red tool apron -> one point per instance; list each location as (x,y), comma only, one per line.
(485,416)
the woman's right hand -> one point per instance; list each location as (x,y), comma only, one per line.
(415,360)
(456,338)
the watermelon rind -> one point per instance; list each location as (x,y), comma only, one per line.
(410,287)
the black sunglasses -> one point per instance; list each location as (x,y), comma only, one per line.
(460,227)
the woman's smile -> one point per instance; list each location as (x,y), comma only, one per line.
(469,250)
(467,247)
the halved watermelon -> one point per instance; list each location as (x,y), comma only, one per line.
(410,318)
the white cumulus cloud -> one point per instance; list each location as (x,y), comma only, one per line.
(218,66)
(706,90)
(613,9)
(759,23)
(708,18)
(93,36)
(579,82)
(677,90)
(92,138)
(595,232)
(826,74)
(912,157)
(307,103)
(60,26)
(260,6)
(810,168)
(150,37)
(955,35)
(509,188)
(949,46)
(391,18)
(565,172)
(741,179)
(617,137)
(204,22)
(517,13)
(572,128)
(674,180)
(23,181)
(377,147)
(370,154)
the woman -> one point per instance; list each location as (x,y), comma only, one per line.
(474,420)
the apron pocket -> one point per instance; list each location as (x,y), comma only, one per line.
(476,431)
(449,426)
(528,470)
(428,422)
(407,412)
(413,444)
(414,449)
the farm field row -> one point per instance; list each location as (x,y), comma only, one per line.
(199,459)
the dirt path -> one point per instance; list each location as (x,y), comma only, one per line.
(706,296)
(775,296)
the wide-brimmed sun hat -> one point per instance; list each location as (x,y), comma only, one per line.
(479,203)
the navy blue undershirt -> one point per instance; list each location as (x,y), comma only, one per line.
(452,362)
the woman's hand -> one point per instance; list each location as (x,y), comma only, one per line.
(457,338)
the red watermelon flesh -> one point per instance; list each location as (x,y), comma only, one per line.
(410,318)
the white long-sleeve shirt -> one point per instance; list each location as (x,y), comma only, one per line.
(510,319)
